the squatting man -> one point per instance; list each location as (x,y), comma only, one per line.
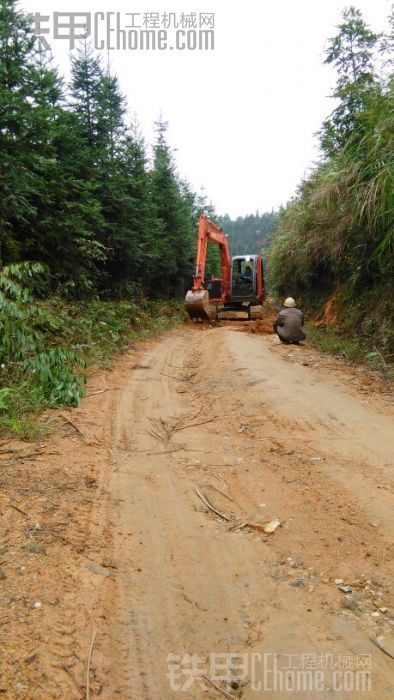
(290,322)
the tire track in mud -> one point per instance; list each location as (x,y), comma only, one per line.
(178,600)
(132,667)
(183,582)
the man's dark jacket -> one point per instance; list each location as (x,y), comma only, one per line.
(289,324)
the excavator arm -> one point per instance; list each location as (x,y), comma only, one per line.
(208,231)
(197,299)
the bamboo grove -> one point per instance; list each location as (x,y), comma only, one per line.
(335,239)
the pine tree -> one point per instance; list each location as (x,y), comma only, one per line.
(68,228)
(110,115)
(123,191)
(47,212)
(86,76)
(98,107)
(75,190)
(143,225)
(175,247)
(351,53)
(21,122)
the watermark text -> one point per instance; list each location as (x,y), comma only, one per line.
(131,31)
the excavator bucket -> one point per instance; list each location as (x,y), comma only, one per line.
(197,304)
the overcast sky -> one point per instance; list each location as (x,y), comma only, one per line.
(242,117)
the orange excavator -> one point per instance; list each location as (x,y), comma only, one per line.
(241,286)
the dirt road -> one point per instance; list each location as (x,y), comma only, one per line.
(195,442)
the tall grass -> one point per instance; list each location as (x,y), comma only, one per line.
(337,235)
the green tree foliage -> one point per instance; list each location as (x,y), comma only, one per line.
(351,53)
(133,257)
(27,92)
(66,236)
(249,234)
(386,47)
(76,189)
(337,236)
(23,330)
(87,76)
(147,216)
(47,211)
(175,246)
(83,215)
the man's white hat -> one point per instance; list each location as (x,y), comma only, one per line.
(289,302)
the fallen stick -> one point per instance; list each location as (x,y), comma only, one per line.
(245,524)
(166,452)
(102,391)
(18,509)
(378,644)
(74,425)
(221,492)
(40,451)
(206,502)
(239,527)
(197,414)
(220,690)
(232,464)
(88,665)
(193,425)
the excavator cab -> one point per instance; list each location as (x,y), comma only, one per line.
(246,273)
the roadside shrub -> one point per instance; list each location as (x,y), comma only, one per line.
(56,373)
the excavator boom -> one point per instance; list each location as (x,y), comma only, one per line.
(197,299)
